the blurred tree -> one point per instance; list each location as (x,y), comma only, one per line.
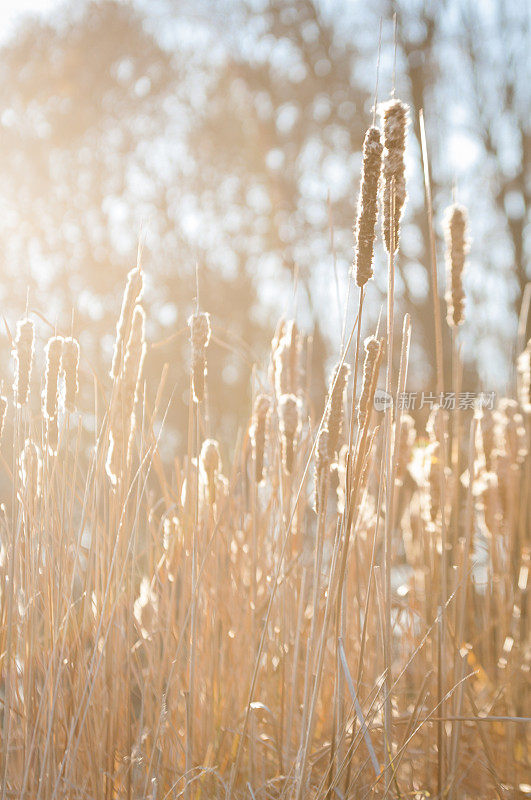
(227,137)
(94,160)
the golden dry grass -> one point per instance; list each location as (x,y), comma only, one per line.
(193,628)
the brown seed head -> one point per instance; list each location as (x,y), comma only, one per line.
(132,295)
(199,337)
(335,412)
(210,461)
(23,353)
(286,359)
(406,442)
(70,364)
(258,433)
(395,122)
(53,352)
(289,422)
(368,206)
(457,246)
(3,413)
(372,355)
(322,465)
(31,468)
(524,379)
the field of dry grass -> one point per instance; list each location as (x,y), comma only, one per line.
(338,607)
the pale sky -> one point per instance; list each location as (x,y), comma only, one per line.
(12,10)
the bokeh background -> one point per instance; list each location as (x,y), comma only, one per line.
(225,137)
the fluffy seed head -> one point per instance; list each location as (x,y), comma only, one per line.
(134,357)
(322,464)
(524,378)
(258,433)
(31,468)
(457,245)
(406,442)
(53,352)
(199,337)
(368,206)
(395,122)
(132,295)
(52,435)
(286,359)
(509,431)
(122,415)
(23,353)
(289,422)
(3,414)
(70,365)
(372,355)
(335,412)
(210,461)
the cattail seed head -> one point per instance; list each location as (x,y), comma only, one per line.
(509,431)
(31,468)
(122,414)
(114,461)
(406,442)
(258,433)
(133,365)
(372,356)
(395,122)
(3,414)
(437,425)
(132,295)
(322,465)
(134,358)
(52,435)
(286,359)
(146,609)
(210,461)
(70,366)
(434,473)
(23,353)
(289,423)
(368,206)
(53,352)
(486,426)
(524,378)
(335,411)
(457,245)
(200,337)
